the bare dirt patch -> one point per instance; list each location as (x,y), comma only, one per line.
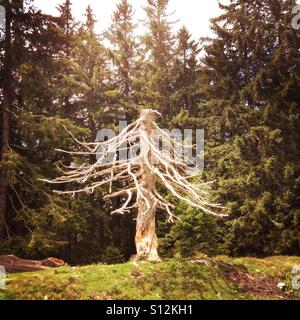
(259,286)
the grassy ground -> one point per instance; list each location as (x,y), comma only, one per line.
(218,278)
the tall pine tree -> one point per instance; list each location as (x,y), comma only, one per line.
(123,51)
(158,44)
(251,116)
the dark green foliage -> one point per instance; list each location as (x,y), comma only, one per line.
(155,78)
(253,139)
(123,54)
(197,232)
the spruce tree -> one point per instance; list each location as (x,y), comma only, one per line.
(252,91)
(123,51)
(67,29)
(155,78)
(31,73)
(185,73)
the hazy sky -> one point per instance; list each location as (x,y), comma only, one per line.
(194,14)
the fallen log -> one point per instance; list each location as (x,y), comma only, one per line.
(13,264)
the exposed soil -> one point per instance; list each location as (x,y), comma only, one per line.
(259,286)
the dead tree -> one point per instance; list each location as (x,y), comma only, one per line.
(142,173)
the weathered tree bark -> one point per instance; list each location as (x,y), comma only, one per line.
(13,264)
(146,239)
(7,101)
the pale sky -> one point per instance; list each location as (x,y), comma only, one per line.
(194,14)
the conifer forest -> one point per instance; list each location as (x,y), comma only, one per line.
(65,191)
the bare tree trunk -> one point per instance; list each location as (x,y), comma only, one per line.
(7,99)
(146,239)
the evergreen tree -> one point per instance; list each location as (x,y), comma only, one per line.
(34,129)
(185,73)
(67,29)
(251,87)
(123,55)
(67,25)
(155,81)
(88,77)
